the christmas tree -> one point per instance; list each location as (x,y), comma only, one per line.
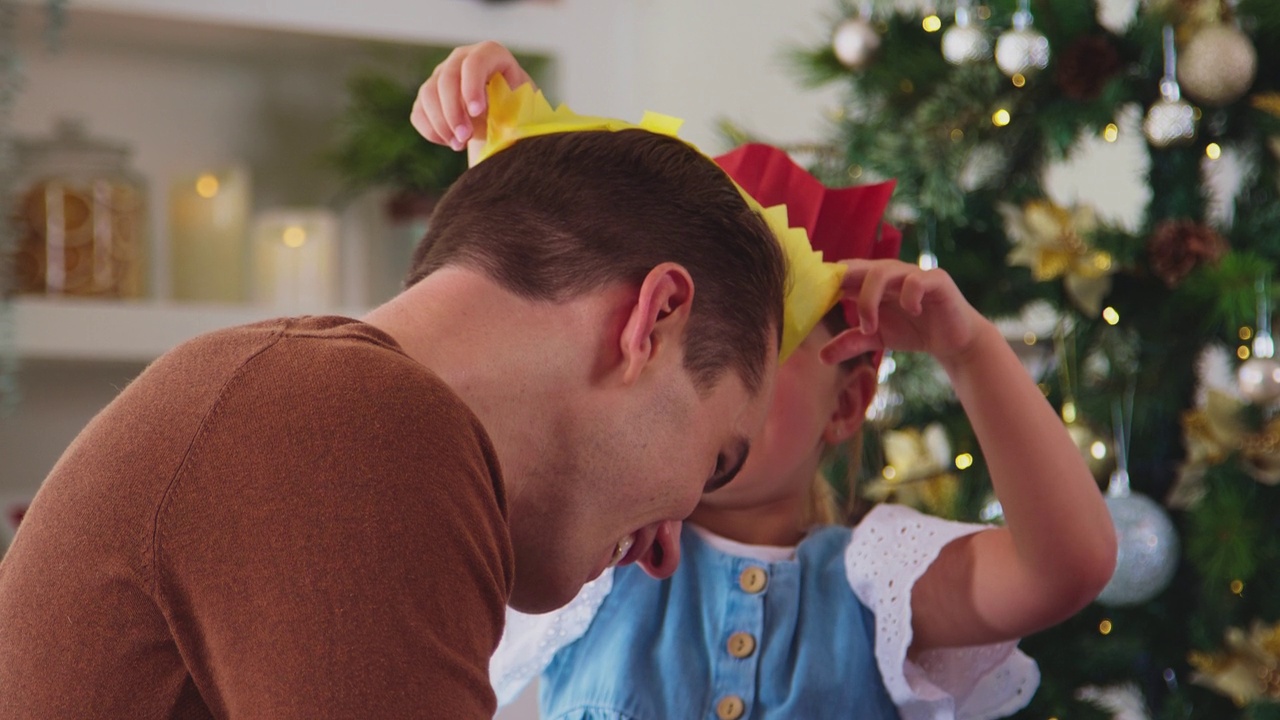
(1154,339)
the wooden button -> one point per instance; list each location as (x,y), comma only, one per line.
(741,644)
(730,707)
(753,579)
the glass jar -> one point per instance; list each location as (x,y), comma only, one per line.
(81,217)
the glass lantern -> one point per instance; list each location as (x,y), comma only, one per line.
(81,218)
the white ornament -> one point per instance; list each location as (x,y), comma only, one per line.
(985,164)
(1022,50)
(1125,702)
(1117,15)
(1259,379)
(1215,370)
(1218,65)
(965,41)
(855,42)
(1170,120)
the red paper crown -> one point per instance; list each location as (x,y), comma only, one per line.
(843,223)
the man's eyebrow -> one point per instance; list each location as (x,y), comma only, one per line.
(741,449)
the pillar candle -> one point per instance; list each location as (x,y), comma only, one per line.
(208,228)
(295,260)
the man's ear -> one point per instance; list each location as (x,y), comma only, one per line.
(855,390)
(658,318)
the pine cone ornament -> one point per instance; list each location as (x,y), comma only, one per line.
(1179,246)
(1085,67)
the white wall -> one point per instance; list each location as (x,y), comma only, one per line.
(704,60)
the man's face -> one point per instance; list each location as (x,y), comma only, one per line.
(626,468)
(806,396)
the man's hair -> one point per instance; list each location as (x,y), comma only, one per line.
(556,216)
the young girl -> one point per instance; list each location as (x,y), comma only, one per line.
(773,614)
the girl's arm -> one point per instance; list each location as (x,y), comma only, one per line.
(1058,547)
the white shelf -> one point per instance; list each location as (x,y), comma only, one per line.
(528,25)
(591,40)
(121,331)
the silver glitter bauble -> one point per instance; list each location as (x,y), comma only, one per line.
(1259,379)
(1169,122)
(1021,52)
(965,44)
(1217,66)
(855,42)
(1147,550)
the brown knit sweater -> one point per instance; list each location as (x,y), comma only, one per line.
(286,520)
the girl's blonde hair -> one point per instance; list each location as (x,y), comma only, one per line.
(835,500)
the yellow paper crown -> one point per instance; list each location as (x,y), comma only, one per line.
(813,286)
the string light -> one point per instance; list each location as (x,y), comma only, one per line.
(1111,132)
(1068,411)
(1237,587)
(1000,117)
(294,236)
(889,473)
(1213,151)
(932,23)
(1242,352)
(1104,627)
(964,461)
(1098,450)
(207,185)
(1111,315)
(1018,80)
(1029,338)
(957,134)
(1246,332)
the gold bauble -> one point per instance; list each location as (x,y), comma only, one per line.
(1217,66)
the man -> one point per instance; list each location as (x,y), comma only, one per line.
(323,517)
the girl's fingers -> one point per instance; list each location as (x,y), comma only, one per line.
(849,344)
(472,85)
(914,287)
(875,284)
(449,98)
(429,101)
(418,118)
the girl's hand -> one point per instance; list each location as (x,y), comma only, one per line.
(902,307)
(452,107)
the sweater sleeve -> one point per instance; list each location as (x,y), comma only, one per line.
(334,544)
(890,550)
(530,642)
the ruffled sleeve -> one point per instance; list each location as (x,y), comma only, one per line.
(891,548)
(529,642)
